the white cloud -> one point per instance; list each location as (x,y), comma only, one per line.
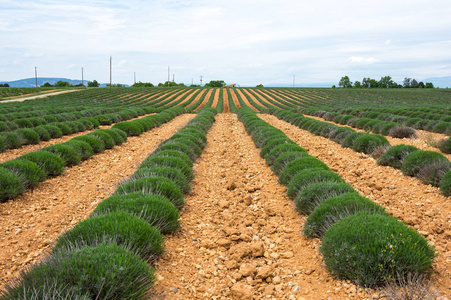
(362,60)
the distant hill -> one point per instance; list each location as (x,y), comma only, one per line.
(31,82)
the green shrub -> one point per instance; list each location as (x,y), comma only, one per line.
(29,172)
(370,249)
(23,123)
(10,185)
(53,130)
(443,127)
(368,142)
(90,123)
(179,147)
(121,133)
(173,153)
(360,124)
(65,128)
(283,159)
(79,126)
(154,209)
(395,155)
(272,143)
(124,229)
(445,184)
(173,174)
(306,177)
(96,144)
(49,162)
(117,138)
(445,146)
(312,195)
(298,165)
(44,135)
(385,129)
(417,160)
(341,135)
(172,162)
(69,155)
(433,173)
(13,140)
(154,185)
(281,149)
(82,148)
(129,128)
(107,271)
(350,138)
(197,151)
(104,137)
(333,209)
(29,136)
(103,120)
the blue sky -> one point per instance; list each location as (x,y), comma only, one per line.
(246,42)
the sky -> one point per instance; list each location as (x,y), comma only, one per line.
(247,42)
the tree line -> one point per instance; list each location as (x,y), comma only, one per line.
(385,82)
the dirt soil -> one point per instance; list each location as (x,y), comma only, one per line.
(245,100)
(420,206)
(205,101)
(241,236)
(235,99)
(264,104)
(21,99)
(30,223)
(216,99)
(225,97)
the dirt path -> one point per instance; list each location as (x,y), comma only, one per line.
(14,153)
(420,206)
(421,142)
(250,95)
(216,99)
(235,99)
(245,100)
(240,234)
(225,96)
(32,221)
(38,96)
(206,99)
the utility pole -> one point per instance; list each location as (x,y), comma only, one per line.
(200,80)
(36,78)
(82,79)
(110,70)
(294,77)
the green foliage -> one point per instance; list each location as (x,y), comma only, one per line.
(70,156)
(368,142)
(370,249)
(83,149)
(49,162)
(314,194)
(174,146)
(195,149)
(29,136)
(281,162)
(445,146)
(345,82)
(350,138)
(333,209)
(10,185)
(173,153)
(122,133)
(103,120)
(93,83)
(272,143)
(142,84)
(124,229)
(107,271)
(23,123)
(215,83)
(281,149)
(96,144)
(395,155)
(415,161)
(12,140)
(131,129)
(445,184)
(104,137)
(173,174)
(172,162)
(298,165)
(29,173)
(53,130)
(154,186)
(65,128)
(44,135)
(154,209)
(306,177)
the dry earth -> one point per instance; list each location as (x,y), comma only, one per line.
(241,236)
(30,223)
(21,99)
(420,206)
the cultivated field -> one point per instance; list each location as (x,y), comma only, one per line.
(226,193)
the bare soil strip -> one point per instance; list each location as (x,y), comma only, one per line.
(21,99)
(216,99)
(195,99)
(235,99)
(241,236)
(250,95)
(15,153)
(245,100)
(225,96)
(31,222)
(424,137)
(207,97)
(260,92)
(188,94)
(420,206)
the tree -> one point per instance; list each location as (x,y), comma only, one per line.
(46,85)
(61,83)
(345,82)
(259,85)
(215,83)
(93,83)
(406,82)
(386,82)
(429,85)
(414,84)
(142,84)
(373,83)
(421,85)
(357,84)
